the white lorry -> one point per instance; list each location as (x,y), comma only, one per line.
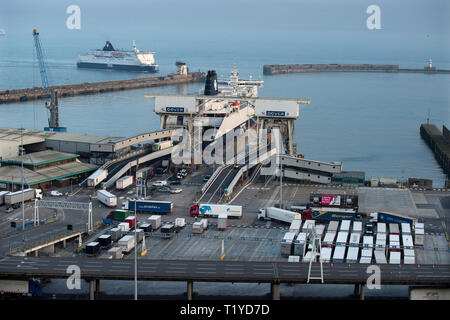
(28,194)
(214,210)
(124,182)
(127,243)
(97,177)
(107,198)
(272,213)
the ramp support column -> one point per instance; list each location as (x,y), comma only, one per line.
(361,293)
(97,287)
(190,289)
(275,289)
(356,290)
(91,290)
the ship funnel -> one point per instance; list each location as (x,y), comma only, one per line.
(211,88)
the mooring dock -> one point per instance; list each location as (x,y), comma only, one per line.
(17,95)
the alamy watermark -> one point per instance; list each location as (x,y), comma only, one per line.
(74,280)
(74,20)
(374,20)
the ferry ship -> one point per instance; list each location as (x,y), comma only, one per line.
(109,58)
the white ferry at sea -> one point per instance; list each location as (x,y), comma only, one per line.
(109,58)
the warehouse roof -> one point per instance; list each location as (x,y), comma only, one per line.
(12,174)
(41,157)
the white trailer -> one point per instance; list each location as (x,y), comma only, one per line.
(205,223)
(320,229)
(287,243)
(368,241)
(300,244)
(27,194)
(107,198)
(380,257)
(393,228)
(124,182)
(367,260)
(222,222)
(355,238)
(294,259)
(381,227)
(127,243)
(419,237)
(98,176)
(380,243)
(342,238)
(124,227)
(394,242)
(272,213)
(307,257)
(406,228)
(367,252)
(352,255)
(115,253)
(325,254)
(197,227)
(345,225)
(162,145)
(155,221)
(213,210)
(419,225)
(394,257)
(2,197)
(295,226)
(407,241)
(357,226)
(328,240)
(180,222)
(339,254)
(409,256)
(308,225)
(333,226)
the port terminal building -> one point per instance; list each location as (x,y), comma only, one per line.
(43,170)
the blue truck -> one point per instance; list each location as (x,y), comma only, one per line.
(30,287)
(388,217)
(152,206)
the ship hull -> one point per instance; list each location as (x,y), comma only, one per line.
(143,68)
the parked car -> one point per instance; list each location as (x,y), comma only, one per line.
(55,193)
(180,176)
(206,178)
(160,183)
(176,182)
(9,209)
(164,189)
(176,190)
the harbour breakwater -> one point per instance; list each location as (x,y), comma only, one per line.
(27,94)
(335,67)
(439,143)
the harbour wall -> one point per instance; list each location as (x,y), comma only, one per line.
(27,94)
(334,67)
(439,143)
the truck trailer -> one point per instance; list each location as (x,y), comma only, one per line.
(28,194)
(124,182)
(127,243)
(214,210)
(389,217)
(107,198)
(327,214)
(163,207)
(276,214)
(21,287)
(2,197)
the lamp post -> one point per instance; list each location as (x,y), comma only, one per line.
(281,184)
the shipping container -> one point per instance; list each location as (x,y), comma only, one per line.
(381,227)
(287,243)
(345,225)
(119,214)
(105,240)
(116,234)
(127,243)
(197,227)
(155,221)
(380,257)
(342,238)
(107,198)
(352,255)
(147,227)
(115,253)
(222,222)
(328,240)
(407,241)
(380,243)
(339,254)
(325,254)
(355,238)
(124,226)
(92,248)
(308,224)
(393,228)
(124,182)
(357,226)
(300,244)
(406,228)
(333,226)
(394,257)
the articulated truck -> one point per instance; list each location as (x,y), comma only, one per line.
(277,214)
(164,207)
(28,194)
(214,210)
(389,217)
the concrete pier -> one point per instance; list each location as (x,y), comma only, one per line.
(439,143)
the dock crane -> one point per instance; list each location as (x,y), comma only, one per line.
(52,103)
